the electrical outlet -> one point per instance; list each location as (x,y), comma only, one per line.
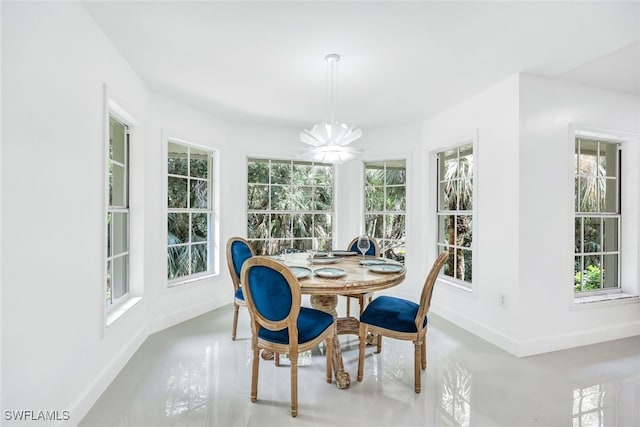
(502,300)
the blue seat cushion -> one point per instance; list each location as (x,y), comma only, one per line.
(371,251)
(311,323)
(392,313)
(239,294)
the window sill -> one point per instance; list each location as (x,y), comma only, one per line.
(456,284)
(114,313)
(604,300)
(191,280)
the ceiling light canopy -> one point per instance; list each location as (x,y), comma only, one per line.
(329,139)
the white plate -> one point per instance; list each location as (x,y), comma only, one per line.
(386,268)
(330,273)
(325,260)
(301,272)
(372,262)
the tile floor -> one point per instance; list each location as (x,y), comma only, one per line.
(193,375)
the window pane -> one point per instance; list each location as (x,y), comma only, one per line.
(177,228)
(465,167)
(120,232)
(258,197)
(178,261)
(374,224)
(280,172)
(375,176)
(323,174)
(199,167)
(578,234)
(323,198)
(258,171)
(258,226)
(109,290)
(608,159)
(374,199)
(394,227)
(608,195)
(301,199)
(591,274)
(280,198)
(577,272)
(322,225)
(610,271)
(610,234)
(200,227)
(465,194)
(592,234)
(302,224)
(394,249)
(463,265)
(117,140)
(177,192)
(464,230)
(444,229)
(199,194)
(280,226)
(117,184)
(396,199)
(303,173)
(396,173)
(109,218)
(120,285)
(448,195)
(177,159)
(199,258)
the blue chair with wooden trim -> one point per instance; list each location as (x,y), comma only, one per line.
(401,319)
(238,251)
(278,322)
(374,250)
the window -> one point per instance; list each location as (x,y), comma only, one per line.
(288,204)
(385,205)
(189,211)
(455,211)
(117,280)
(597,215)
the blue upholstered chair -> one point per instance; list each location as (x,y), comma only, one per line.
(401,319)
(374,250)
(238,251)
(278,322)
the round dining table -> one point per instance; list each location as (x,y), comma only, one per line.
(328,277)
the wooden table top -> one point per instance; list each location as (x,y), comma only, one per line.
(359,279)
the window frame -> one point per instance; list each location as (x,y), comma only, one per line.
(112,303)
(599,214)
(442,246)
(384,212)
(273,245)
(211,210)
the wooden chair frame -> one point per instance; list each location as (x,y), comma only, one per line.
(290,321)
(419,338)
(367,297)
(236,281)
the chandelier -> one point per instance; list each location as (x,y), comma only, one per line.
(330,140)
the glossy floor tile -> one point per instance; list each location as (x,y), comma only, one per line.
(194,375)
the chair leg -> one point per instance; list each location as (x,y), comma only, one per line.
(361,302)
(416,364)
(254,374)
(294,384)
(235,321)
(276,358)
(348,305)
(423,352)
(379,344)
(362,334)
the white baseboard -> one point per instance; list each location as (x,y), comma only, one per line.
(538,345)
(81,406)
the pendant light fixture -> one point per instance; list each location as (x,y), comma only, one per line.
(329,140)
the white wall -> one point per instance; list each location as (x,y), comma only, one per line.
(550,320)
(56,352)
(492,116)
(523,225)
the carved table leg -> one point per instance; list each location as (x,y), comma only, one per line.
(328,304)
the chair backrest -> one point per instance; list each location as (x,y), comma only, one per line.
(427,289)
(272,294)
(374,247)
(238,251)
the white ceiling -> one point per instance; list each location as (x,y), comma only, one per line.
(401,61)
